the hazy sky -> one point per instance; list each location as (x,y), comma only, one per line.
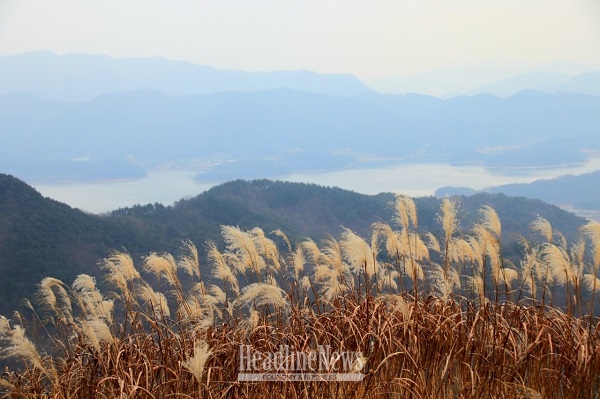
(366,38)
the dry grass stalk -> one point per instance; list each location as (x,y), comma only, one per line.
(440,339)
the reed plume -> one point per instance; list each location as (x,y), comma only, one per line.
(491,221)
(405,212)
(120,273)
(16,344)
(89,297)
(449,221)
(266,248)
(95,331)
(558,263)
(261,294)
(358,253)
(444,282)
(284,237)
(543,227)
(386,278)
(195,364)
(162,266)
(298,262)
(189,261)
(52,296)
(220,268)
(242,245)
(156,301)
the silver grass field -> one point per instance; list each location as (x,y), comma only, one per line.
(434,316)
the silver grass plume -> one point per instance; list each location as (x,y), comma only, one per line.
(386,278)
(52,296)
(162,266)
(392,244)
(189,262)
(432,242)
(95,331)
(120,271)
(305,283)
(405,212)
(478,254)
(16,344)
(444,282)
(476,284)
(561,239)
(577,258)
(332,255)
(313,251)
(543,227)
(196,363)
(207,302)
(490,246)
(448,217)
(242,245)
(4,325)
(156,301)
(251,322)
(358,253)
(298,262)
(592,231)
(421,250)
(266,248)
(461,250)
(558,263)
(261,294)
(491,221)
(89,298)
(333,272)
(281,234)
(531,271)
(508,275)
(217,293)
(591,282)
(201,317)
(220,268)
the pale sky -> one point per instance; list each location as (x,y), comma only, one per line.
(369,39)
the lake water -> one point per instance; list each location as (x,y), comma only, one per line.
(166,187)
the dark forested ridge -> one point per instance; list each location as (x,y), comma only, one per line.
(41,237)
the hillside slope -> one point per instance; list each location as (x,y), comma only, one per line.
(40,237)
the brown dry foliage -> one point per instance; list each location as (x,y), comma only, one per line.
(430,342)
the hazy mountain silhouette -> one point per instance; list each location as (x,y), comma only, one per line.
(450,82)
(81,77)
(580,193)
(147,128)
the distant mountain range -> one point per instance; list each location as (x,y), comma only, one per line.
(579,193)
(40,237)
(96,118)
(285,130)
(82,77)
(446,83)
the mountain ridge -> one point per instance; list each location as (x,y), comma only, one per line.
(40,237)
(81,77)
(148,129)
(580,193)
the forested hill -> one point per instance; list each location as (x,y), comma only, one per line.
(40,237)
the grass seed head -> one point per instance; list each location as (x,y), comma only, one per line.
(196,363)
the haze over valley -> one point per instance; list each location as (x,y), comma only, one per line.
(95,119)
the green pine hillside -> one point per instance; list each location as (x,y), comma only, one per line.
(40,237)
